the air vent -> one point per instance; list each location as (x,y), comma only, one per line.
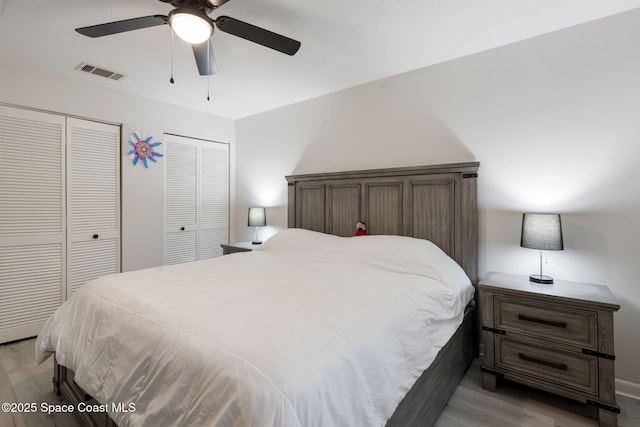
(92,69)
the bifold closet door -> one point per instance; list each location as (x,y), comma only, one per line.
(196,207)
(213,215)
(180,200)
(32,220)
(93,201)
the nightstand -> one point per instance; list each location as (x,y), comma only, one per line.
(557,338)
(230,248)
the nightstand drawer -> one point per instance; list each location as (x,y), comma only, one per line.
(554,322)
(574,370)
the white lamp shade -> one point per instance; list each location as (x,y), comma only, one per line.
(257,217)
(541,231)
(191,26)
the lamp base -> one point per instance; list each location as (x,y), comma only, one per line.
(256,243)
(539,278)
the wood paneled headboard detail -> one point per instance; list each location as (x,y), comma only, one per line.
(437,202)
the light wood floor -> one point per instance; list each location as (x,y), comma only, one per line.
(22,381)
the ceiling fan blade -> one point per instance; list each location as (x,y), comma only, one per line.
(205,58)
(257,35)
(122,26)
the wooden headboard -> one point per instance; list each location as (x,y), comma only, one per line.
(437,202)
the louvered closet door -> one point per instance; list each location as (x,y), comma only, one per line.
(93,201)
(32,240)
(180,199)
(213,216)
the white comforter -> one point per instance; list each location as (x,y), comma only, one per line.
(308,330)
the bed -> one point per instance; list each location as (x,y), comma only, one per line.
(325,330)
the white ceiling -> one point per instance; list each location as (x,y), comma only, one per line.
(344,43)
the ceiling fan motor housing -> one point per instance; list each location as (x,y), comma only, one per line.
(204,5)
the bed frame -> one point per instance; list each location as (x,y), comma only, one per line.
(428,202)
(437,203)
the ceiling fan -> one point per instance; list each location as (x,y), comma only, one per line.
(190,21)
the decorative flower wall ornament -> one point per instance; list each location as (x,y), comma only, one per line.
(143,149)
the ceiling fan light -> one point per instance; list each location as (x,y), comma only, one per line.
(191,26)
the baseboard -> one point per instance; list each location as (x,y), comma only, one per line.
(628,389)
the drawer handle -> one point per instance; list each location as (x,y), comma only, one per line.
(555,365)
(542,321)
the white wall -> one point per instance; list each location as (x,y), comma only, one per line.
(554,122)
(142,189)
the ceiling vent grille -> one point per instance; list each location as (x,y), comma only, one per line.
(92,69)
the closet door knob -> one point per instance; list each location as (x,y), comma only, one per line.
(181,228)
(95,236)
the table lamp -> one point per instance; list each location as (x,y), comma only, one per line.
(543,232)
(257,218)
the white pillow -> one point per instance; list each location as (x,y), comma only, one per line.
(299,238)
(401,254)
(409,255)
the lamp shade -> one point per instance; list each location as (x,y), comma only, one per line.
(257,217)
(541,231)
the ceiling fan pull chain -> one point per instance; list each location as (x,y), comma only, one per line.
(208,67)
(171,79)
